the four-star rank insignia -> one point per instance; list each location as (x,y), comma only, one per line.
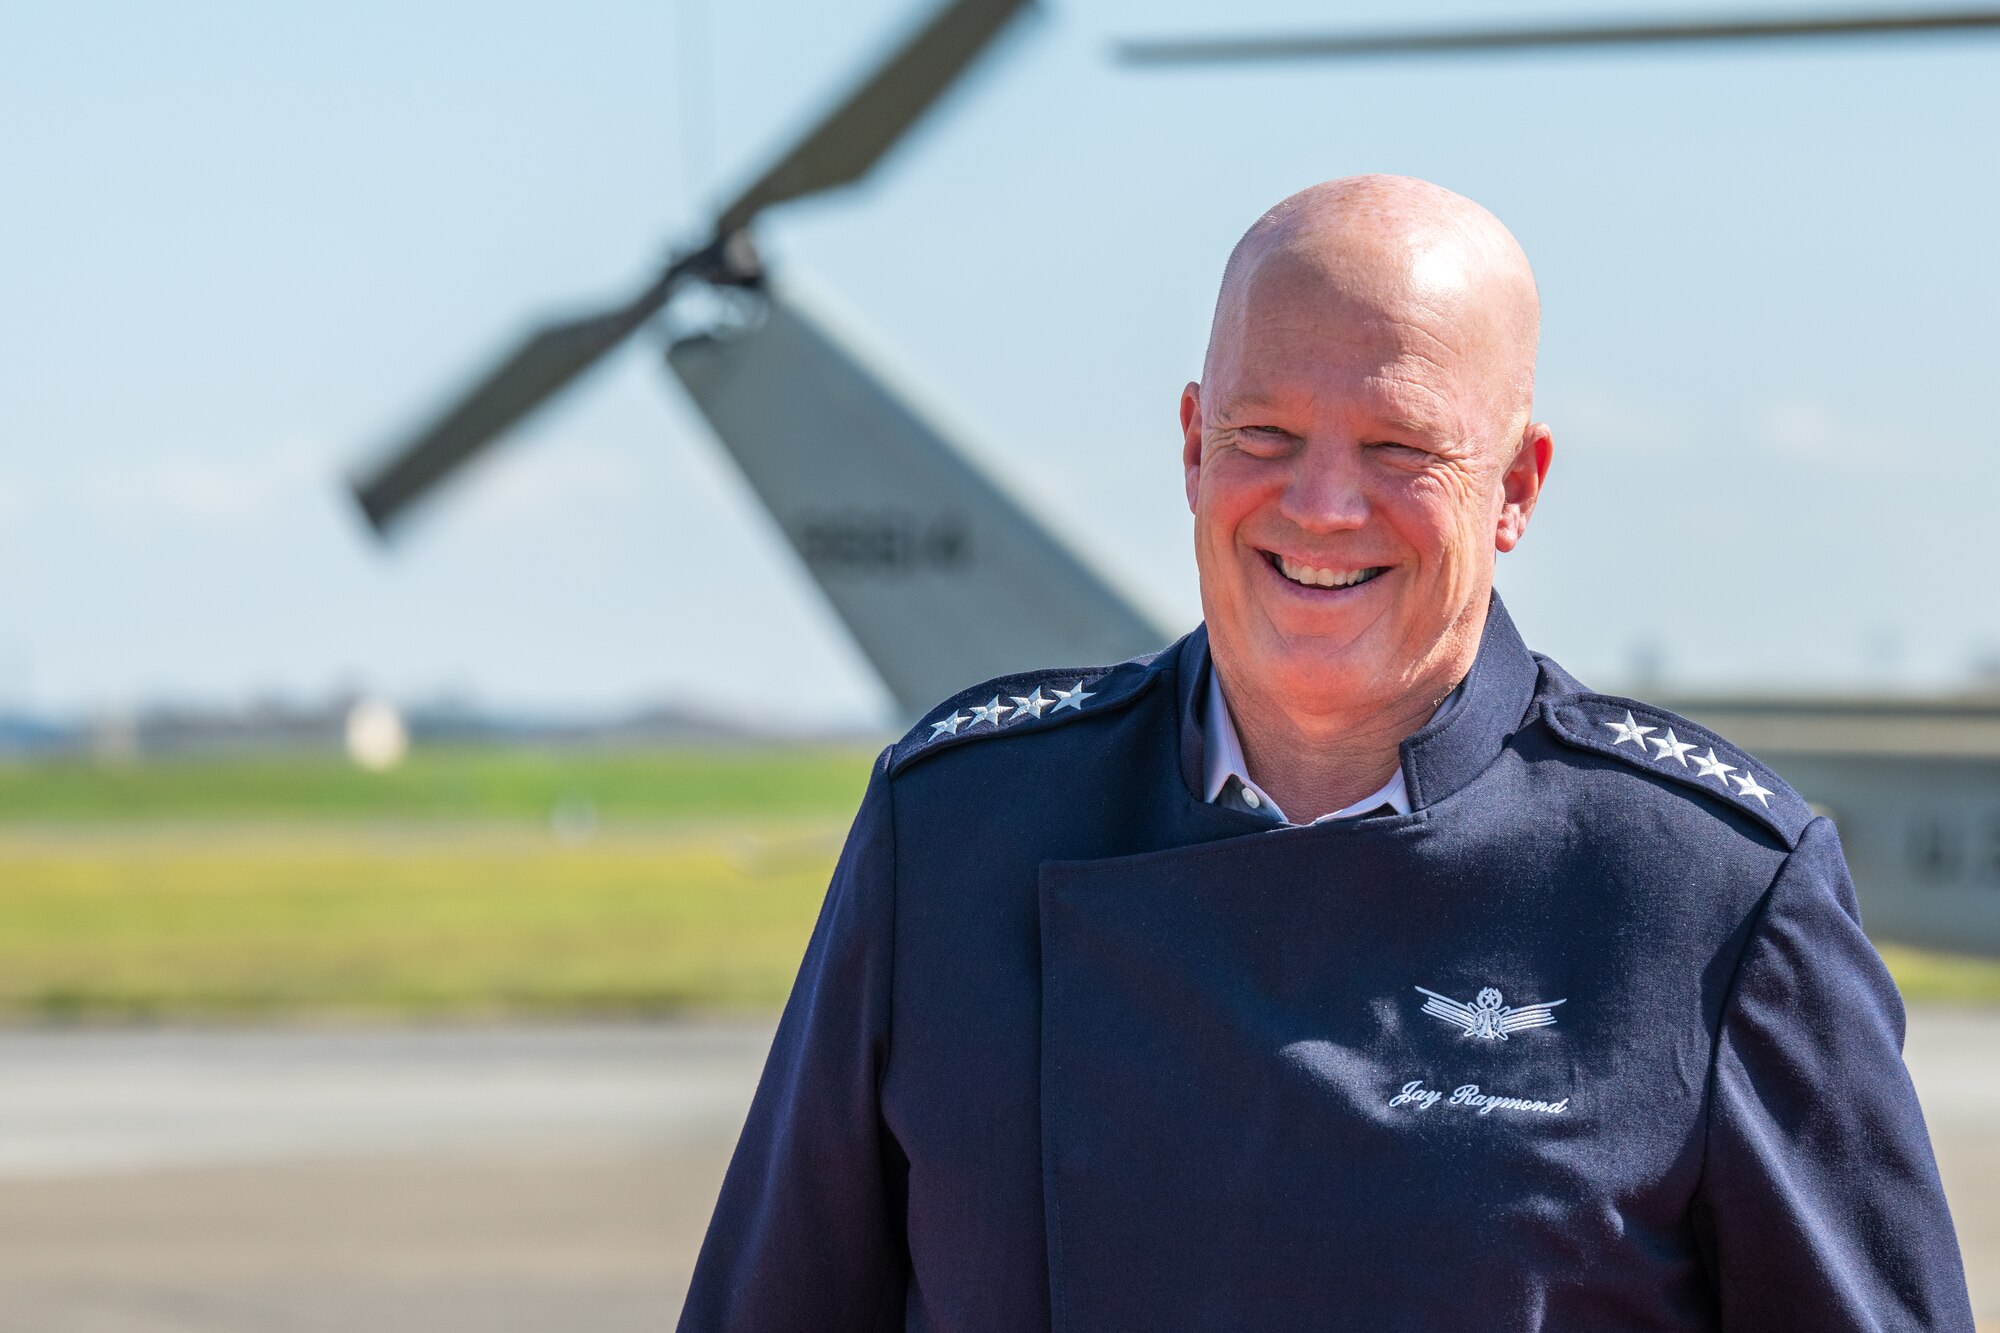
(1672,747)
(1025,702)
(996,714)
(1675,748)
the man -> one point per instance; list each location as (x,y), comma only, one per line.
(1344,965)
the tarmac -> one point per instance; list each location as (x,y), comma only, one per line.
(492,1179)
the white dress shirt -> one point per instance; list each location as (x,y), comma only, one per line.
(1224,754)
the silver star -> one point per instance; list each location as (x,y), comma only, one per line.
(948,727)
(989,711)
(1673,747)
(1708,766)
(1032,705)
(1630,730)
(1072,698)
(1747,785)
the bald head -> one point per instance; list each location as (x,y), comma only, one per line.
(1385,249)
(1357,456)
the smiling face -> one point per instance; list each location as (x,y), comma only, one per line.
(1356,455)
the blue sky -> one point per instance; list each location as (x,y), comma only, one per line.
(247,244)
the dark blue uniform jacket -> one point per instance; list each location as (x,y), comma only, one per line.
(1589,1040)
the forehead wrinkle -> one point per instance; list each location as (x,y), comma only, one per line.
(1376,382)
(1443,421)
(1379,399)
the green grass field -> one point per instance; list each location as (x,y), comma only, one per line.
(466,883)
(461,784)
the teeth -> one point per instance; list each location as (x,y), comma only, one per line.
(1324,578)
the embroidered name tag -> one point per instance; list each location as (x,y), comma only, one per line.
(1468,1097)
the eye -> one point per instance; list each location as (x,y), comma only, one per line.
(1263,441)
(1397,451)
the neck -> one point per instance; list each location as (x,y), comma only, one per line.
(1317,755)
(1315,764)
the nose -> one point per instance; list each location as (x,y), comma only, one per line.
(1325,491)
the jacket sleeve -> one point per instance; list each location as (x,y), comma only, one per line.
(1820,1207)
(807,1234)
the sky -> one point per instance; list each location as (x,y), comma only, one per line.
(248,245)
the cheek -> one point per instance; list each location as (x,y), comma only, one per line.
(1214,531)
(1230,494)
(1420,516)
(1446,516)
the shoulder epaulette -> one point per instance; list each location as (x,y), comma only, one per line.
(1670,746)
(1023,702)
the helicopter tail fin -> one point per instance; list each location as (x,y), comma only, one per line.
(942,577)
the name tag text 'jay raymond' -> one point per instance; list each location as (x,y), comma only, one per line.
(1468,1095)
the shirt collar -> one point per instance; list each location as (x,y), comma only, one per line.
(1455,746)
(1223,750)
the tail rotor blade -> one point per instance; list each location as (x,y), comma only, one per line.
(841,148)
(536,371)
(845,145)
(1338,46)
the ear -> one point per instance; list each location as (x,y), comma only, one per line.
(1191,441)
(1521,485)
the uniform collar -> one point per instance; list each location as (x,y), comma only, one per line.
(1222,760)
(1446,753)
